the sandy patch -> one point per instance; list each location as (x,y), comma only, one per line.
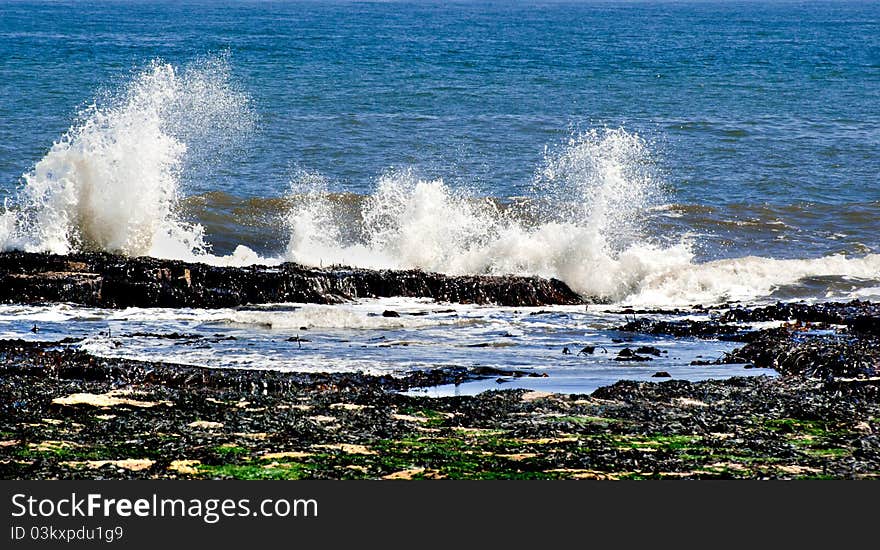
(105,400)
(535,395)
(285,454)
(350,406)
(412,472)
(548,440)
(409,418)
(518,456)
(52,446)
(131,464)
(798,470)
(185,466)
(348,448)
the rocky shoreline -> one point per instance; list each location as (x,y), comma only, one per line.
(67,414)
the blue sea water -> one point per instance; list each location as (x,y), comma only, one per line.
(650,152)
(757,104)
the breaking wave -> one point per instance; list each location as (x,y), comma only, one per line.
(583,223)
(112,182)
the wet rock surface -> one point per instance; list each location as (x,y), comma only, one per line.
(104,280)
(684,328)
(865,315)
(792,350)
(67,414)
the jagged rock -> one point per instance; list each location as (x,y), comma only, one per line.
(104,280)
(857,313)
(627,354)
(684,328)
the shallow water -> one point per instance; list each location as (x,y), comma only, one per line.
(357,337)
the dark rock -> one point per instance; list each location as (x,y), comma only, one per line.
(649,350)
(486,372)
(661,374)
(634,358)
(627,354)
(587,350)
(684,328)
(856,312)
(389,313)
(104,280)
(793,352)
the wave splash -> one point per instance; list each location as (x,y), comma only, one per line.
(112,182)
(583,224)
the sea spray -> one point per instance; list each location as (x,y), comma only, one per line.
(112,182)
(751,277)
(312,219)
(583,224)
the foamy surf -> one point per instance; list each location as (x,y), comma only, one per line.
(112,182)
(357,337)
(583,225)
(750,279)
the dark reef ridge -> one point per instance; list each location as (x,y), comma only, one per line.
(104,280)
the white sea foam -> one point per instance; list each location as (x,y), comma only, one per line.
(330,317)
(112,182)
(745,278)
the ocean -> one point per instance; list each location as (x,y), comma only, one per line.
(650,154)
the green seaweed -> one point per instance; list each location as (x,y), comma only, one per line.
(290,470)
(230,450)
(797,426)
